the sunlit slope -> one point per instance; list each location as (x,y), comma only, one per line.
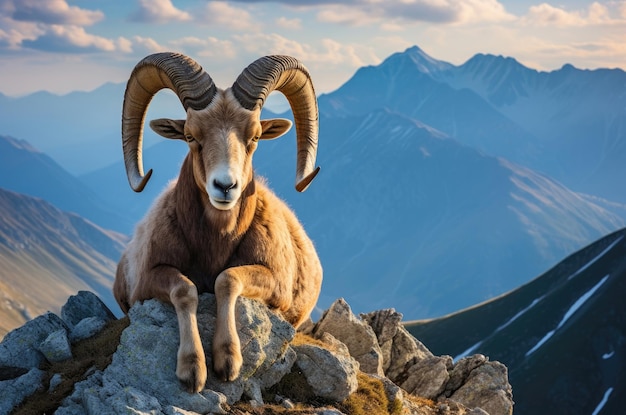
(47,255)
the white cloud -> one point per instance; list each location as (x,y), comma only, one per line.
(545,14)
(159,11)
(329,52)
(291,24)
(217,13)
(69,39)
(347,15)
(124,45)
(51,12)
(146,45)
(205,47)
(13,33)
(391,14)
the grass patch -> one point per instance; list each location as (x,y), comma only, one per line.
(370,398)
(94,352)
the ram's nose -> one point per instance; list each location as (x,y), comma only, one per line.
(224,186)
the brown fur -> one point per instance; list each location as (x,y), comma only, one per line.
(185,245)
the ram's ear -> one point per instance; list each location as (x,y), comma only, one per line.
(274,128)
(174,129)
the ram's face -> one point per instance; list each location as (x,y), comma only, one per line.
(222,139)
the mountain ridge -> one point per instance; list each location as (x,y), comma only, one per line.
(536,331)
(25,169)
(47,255)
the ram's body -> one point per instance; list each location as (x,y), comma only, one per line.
(216,228)
(178,232)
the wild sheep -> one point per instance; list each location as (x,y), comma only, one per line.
(217,228)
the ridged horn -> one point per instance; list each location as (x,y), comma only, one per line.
(289,76)
(193,86)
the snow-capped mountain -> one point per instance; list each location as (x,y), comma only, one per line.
(561,335)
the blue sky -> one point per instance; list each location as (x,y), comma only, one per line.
(66,45)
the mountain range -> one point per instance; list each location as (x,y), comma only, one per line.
(569,123)
(562,335)
(27,170)
(47,255)
(432,195)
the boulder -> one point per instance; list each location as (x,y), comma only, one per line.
(355,333)
(486,386)
(14,391)
(145,361)
(473,381)
(20,347)
(83,305)
(330,371)
(56,347)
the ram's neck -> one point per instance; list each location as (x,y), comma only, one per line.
(193,207)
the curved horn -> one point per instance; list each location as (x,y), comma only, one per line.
(175,71)
(289,76)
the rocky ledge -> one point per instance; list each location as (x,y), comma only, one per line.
(88,362)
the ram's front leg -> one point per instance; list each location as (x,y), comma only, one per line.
(169,285)
(251,281)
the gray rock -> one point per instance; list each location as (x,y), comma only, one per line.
(144,365)
(427,377)
(473,381)
(400,349)
(14,391)
(56,347)
(487,387)
(331,375)
(385,324)
(461,372)
(55,381)
(87,327)
(82,305)
(20,347)
(355,333)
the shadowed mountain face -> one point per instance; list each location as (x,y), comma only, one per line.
(47,255)
(562,335)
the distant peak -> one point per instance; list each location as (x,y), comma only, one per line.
(19,144)
(420,59)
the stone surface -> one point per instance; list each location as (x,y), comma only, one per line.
(145,361)
(487,387)
(56,347)
(399,348)
(20,347)
(339,321)
(141,378)
(14,391)
(331,375)
(87,327)
(427,377)
(82,305)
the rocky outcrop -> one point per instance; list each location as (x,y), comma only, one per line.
(342,360)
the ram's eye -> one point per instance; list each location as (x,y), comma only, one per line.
(189,138)
(255,138)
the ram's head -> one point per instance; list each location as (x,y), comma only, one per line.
(222,127)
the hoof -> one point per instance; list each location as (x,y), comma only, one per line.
(227,362)
(192,373)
